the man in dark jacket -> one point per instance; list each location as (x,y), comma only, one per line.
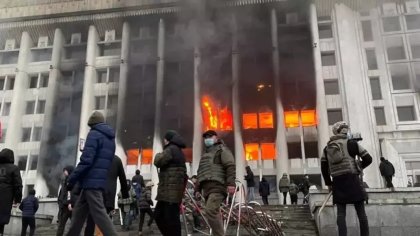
(346,184)
(29,207)
(144,204)
(250,183)
(216,178)
(66,200)
(10,186)
(264,190)
(116,172)
(387,171)
(172,181)
(92,174)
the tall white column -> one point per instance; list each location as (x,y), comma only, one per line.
(157,139)
(237,125)
(355,86)
(122,89)
(282,158)
(88,98)
(198,119)
(14,130)
(302,143)
(321,106)
(51,99)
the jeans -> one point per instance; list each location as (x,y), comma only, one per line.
(284,198)
(28,221)
(91,202)
(388,181)
(361,214)
(64,216)
(250,194)
(167,218)
(265,200)
(143,213)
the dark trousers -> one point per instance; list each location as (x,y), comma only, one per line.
(361,214)
(90,224)
(294,198)
(143,213)
(28,221)
(1,229)
(284,198)
(91,202)
(64,216)
(388,181)
(265,200)
(167,218)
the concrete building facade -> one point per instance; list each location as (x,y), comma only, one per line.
(271,76)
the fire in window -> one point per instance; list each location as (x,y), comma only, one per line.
(215,117)
(291,119)
(266,120)
(251,151)
(132,156)
(250,121)
(146,156)
(308,118)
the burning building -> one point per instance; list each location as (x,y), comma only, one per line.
(271,76)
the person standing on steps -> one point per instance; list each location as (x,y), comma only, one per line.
(339,162)
(216,179)
(284,184)
(264,190)
(92,173)
(250,183)
(29,207)
(387,171)
(293,191)
(10,186)
(172,180)
(305,185)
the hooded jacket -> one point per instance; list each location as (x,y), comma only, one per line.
(284,184)
(249,177)
(96,159)
(264,188)
(10,184)
(172,171)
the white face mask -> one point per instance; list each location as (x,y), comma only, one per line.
(209,142)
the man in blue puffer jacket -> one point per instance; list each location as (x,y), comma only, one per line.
(92,174)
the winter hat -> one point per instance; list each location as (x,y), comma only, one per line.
(337,127)
(170,134)
(96,118)
(209,133)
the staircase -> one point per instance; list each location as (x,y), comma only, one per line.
(296,221)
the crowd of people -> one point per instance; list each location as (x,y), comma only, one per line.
(88,191)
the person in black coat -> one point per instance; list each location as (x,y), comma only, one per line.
(250,183)
(387,171)
(264,190)
(29,207)
(66,200)
(115,172)
(10,186)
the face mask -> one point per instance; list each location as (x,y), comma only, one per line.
(209,142)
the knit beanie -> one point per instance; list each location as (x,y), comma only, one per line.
(170,134)
(96,118)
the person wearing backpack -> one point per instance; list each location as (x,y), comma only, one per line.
(339,162)
(387,171)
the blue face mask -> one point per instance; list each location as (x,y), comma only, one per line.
(209,142)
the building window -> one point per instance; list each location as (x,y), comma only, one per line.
(33,81)
(114,75)
(6,108)
(112,102)
(406,113)
(413,22)
(371,59)
(395,48)
(375,87)
(311,149)
(111,49)
(400,76)
(44,81)
(328,59)
(415,46)
(8,58)
(391,24)
(294,150)
(380,116)
(22,161)
(40,108)
(331,87)
(10,83)
(325,31)
(2,83)
(250,121)
(100,102)
(34,162)
(36,137)
(367,30)
(334,116)
(41,54)
(101,76)
(30,107)
(26,134)
(251,151)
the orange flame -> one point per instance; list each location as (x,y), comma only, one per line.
(216,118)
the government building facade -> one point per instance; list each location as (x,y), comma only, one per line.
(270,76)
